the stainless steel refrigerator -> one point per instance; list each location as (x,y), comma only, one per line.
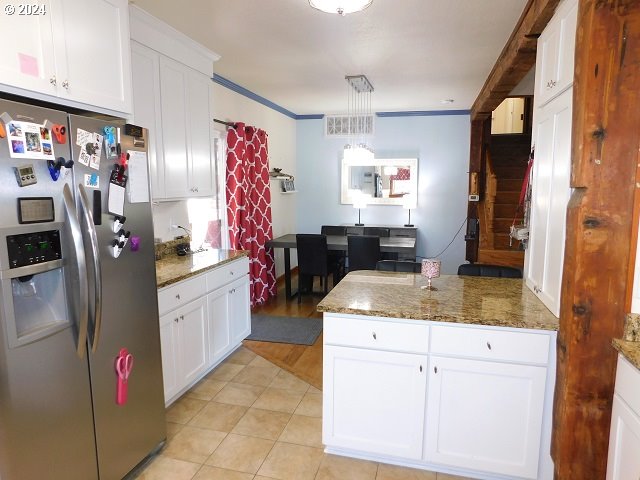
(77,286)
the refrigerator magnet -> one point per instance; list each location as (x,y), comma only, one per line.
(92,180)
(110,143)
(117,184)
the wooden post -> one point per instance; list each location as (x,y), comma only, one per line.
(480,133)
(605,146)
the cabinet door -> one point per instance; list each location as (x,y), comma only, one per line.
(173,105)
(27,59)
(374,401)
(193,337)
(624,442)
(485,416)
(219,334)
(169,336)
(551,192)
(202,182)
(145,66)
(91,38)
(239,310)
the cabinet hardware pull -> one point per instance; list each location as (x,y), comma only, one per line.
(175,319)
(420,368)
(65,84)
(435,369)
(53,81)
(488,345)
(177,296)
(181,317)
(374,336)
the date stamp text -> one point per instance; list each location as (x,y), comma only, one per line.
(25,9)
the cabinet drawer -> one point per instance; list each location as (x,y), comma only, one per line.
(182,292)
(490,344)
(628,383)
(226,273)
(403,232)
(374,334)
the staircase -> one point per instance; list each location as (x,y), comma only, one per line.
(508,164)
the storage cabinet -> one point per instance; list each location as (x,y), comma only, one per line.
(550,195)
(624,438)
(74,52)
(173,97)
(374,401)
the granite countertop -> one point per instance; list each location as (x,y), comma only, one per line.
(173,268)
(502,302)
(629,344)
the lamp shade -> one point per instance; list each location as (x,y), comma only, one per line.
(409,202)
(341,7)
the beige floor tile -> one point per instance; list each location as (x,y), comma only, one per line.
(172,429)
(218,416)
(193,444)
(334,467)
(259,361)
(291,462)
(313,389)
(287,381)
(303,431)
(279,400)
(184,410)
(241,453)
(215,473)
(310,405)
(262,423)
(239,394)
(165,468)
(393,472)
(225,372)
(446,476)
(206,389)
(242,356)
(261,376)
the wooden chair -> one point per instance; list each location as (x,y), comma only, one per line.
(313,260)
(363,252)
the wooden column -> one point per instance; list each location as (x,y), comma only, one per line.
(605,146)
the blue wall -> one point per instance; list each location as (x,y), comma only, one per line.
(441,143)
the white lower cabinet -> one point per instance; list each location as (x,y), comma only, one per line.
(485,416)
(182,340)
(374,401)
(624,438)
(469,400)
(239,310)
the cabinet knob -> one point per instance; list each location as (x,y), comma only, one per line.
(196,189)
(53,81)
(181,317)
(420,368)
(375,337)
(177,296)
(435,369)
(175,320)
(488,345)
(65,84)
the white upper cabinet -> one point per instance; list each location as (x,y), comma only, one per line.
(555,56)
(173,98)
(72,52)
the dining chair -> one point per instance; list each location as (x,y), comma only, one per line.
(480,270)
(353,230)
(398,266)
(314,261)
(363,252)
(334,230)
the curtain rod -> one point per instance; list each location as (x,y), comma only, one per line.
(228,124)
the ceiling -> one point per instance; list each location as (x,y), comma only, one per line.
(416,53)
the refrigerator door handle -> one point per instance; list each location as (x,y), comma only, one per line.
(83,283)
(92,238)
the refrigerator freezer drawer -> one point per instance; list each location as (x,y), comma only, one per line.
(183,292)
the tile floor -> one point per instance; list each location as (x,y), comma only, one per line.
(250,420)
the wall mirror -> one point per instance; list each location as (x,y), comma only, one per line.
(379,181)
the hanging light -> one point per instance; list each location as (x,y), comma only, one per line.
(341,7)
(360,118)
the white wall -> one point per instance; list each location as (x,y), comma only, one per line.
(441,143)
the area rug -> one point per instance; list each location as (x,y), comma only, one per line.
(297,330)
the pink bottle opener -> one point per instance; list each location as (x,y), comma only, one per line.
(124,365)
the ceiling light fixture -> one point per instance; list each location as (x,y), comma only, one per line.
(341,7)
(359,117)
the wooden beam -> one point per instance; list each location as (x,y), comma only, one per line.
(517,57)
(605,145)
(480,136)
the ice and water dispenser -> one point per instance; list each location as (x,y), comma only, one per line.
(32,286)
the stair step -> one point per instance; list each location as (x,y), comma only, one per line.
(510,172)
(509,258)
(507,197)
(510,184)
(503,225)
(504,210)
(501,242)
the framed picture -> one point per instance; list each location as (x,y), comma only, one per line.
(288,185)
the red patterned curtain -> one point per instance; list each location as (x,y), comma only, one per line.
(249,206)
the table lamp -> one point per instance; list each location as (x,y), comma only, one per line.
(430,269)
(359,202)
(408,202)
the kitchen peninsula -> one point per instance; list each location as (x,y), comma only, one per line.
(458,380)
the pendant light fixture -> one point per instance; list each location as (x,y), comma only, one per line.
(360,118)
(341,7)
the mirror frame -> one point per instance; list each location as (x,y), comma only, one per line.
(346,197)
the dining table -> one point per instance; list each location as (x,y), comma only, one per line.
(336,243)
